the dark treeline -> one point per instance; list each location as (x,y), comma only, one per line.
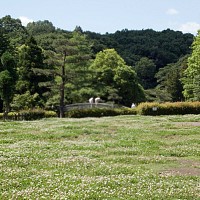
(161,48)
(43,66)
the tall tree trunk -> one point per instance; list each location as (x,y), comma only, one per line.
(62,90)
(6,109)
(62,96)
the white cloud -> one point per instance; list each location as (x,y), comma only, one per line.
(25,20)
(172,11)
(190,27)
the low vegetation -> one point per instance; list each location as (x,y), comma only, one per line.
(120,157)
(169,108)
(28,115)
(177,108)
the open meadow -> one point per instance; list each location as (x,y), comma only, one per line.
(122,157)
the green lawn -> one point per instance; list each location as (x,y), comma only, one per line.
(123,157)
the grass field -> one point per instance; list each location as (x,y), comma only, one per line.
(123,157)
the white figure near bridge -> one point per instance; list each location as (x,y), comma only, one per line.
(91,100)
(95,101)
(133,105)
(98,100)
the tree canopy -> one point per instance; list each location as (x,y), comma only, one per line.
(8,79)
(162,47)
(191,79)
(42,65)
(114,80)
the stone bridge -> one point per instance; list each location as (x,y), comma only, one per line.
(87,106)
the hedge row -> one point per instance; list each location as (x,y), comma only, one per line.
(177,108)
(39,114)
(28,115)
(100,112)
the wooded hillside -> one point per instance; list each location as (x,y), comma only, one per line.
(44,66)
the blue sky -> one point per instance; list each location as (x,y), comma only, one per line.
(103,16)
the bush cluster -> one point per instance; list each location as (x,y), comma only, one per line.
(28,115)
(176,108)
(39,114)
(100,112)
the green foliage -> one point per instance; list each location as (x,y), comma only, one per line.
(70,62)
(52,62)
(31,77)
(10,116)
(128,87)
(178,108)
(99,112)
(191,74)
(26,101)
(114,79)
(33,114)
(5,80)
(169,79)
(4,43)
(30,58)
(13,30)
(40,27)
(157,95)
(50,114)
(8,62)
(162,47)
(8,79)
(146,69)
(80,76)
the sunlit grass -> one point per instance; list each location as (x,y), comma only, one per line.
(124,157)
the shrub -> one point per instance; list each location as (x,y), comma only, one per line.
(1,116)
(177,108)
(32,114)
(11,116)
(99,112)
(36,114)
(49,114)
(128,111)
(29,115)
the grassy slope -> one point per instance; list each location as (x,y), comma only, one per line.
(124,157)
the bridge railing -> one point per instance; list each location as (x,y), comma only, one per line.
(87,106)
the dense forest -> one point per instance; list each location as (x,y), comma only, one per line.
(44,66)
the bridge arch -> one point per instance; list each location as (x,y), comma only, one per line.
(80,106)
